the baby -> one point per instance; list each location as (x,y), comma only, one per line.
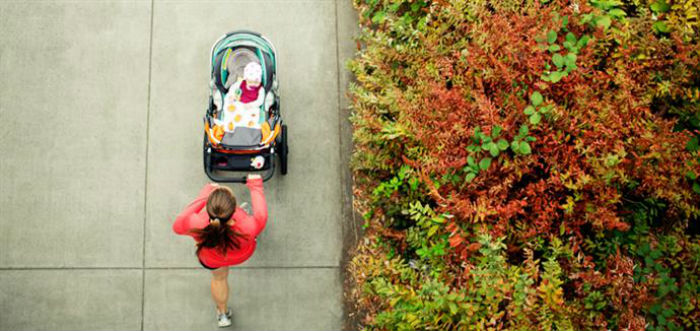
(243,100)
(249,91)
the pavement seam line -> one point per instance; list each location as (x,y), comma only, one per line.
(341,171)
(145,180)
(347,211)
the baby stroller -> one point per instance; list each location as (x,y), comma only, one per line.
(248,149)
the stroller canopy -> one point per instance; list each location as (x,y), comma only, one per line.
(231,54)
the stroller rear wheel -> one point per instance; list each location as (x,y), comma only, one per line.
(284,151)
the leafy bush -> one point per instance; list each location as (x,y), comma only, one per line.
(527,165)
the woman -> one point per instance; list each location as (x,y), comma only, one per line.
(225,234)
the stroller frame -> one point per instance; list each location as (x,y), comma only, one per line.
(222,158)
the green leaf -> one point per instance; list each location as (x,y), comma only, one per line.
(558,60)
(535,118)
(529,110)
(416,5)
(695,120)
(617,13)
(470,176)
(554,48)
(556,76)
(485,163)
(523,130)
(515,145)
(693,144)
(551,36)
(604,21)
(565,21)
(525,148)
(496,131)
(422,23)
(453,308)
(474,168)
(691,175)
(471,161)
(583,41)
(570,46)
(502,144)
(531,138)
(570,37)
(536,98)
(432,230)
(586,18)
(661,319)
(660,6)
(661,27)
(696,187)
(493,149)
(570,60)
(378,17)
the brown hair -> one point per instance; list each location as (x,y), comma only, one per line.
(218,234)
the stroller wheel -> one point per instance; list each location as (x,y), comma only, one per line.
(284,150)
(207,154)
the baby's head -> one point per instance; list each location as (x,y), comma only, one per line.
(252,73)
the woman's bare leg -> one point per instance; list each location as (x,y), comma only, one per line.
(219,288)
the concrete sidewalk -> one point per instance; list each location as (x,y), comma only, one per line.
(101,106)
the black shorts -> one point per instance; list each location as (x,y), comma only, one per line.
(206,266)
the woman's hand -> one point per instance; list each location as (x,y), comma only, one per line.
(253,176)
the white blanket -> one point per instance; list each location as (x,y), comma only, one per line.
(237,114)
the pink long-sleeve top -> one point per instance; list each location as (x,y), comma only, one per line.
(195,216)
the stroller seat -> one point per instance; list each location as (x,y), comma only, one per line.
(242,136)
(232,124)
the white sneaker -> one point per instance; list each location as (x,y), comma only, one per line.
(224,318)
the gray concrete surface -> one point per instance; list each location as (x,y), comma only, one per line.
(259,298)
(70,299)
(100,136)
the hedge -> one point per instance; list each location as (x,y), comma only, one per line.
(527,165)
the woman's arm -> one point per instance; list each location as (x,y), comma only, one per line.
(257,197)
(182,221)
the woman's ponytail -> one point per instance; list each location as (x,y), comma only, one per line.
(218,234)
